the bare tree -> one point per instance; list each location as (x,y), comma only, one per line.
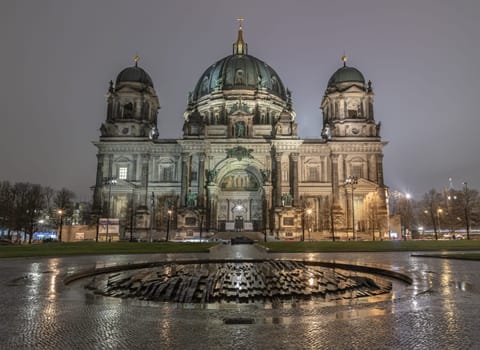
(431,203)
(6,207)
(63,201)
(374,214)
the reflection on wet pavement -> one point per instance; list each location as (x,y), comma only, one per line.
(439,310)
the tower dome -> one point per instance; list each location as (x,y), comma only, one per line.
(346,74)
(134,74)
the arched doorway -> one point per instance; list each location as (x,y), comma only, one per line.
(240,204)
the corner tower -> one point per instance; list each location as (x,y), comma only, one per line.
(127,137)
(132,105)
(347,106)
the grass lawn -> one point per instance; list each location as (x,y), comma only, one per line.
(84,248)
(372,246)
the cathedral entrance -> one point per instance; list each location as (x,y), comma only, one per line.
(240,202)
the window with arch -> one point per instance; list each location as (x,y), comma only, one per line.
(128,110)
(166,174)
(357,167)
(313,174)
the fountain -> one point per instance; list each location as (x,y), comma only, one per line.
(237,281)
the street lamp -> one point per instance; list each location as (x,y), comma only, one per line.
(406,225)
(352,181)
(109,181)
(152,216)
(168,222)
(466,202)
(439,211)
(60,212)
(309,213)
(132,213)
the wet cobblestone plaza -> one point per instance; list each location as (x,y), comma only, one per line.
(439,310)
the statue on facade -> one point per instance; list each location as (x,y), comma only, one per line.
(294,129)
(211,175)
(191,199)
(278,129)
(240,129)
(287,200)
(265,174)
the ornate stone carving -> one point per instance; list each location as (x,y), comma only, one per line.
(239,152)
(239,106)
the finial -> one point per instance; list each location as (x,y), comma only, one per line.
(344,59)
(136,58)
(240,47)
(240,22)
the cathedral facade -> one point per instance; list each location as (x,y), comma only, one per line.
(240,165)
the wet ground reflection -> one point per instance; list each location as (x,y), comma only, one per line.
(439,310)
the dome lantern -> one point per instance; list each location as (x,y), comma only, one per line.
(240,47)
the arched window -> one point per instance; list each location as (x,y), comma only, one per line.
(128,110)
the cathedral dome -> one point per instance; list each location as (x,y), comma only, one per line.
(134,74)
(239,71)
(346,74)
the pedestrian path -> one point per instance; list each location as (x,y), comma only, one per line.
(238,251)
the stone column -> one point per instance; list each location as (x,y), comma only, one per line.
(201,180)
(133,176)
(97,194)
(296,195)
(334,161)
(372,173)
(145,179)
(278,179)
(212,207)
(184,186)
(380,169)
(267,192)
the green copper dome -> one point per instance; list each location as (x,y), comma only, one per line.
(346,74)
(239,71)
(134,74)
(242,72)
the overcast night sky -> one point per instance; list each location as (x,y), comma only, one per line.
(421,55)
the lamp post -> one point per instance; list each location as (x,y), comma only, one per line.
(466,202)
(352,181)
(439,211)
(152,216)
(406,226)
(168,223)
(309,213)
(109,181)
(132,204)
(60,212)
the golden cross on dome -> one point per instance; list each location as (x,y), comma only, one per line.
(136,58)
(240,22)
(344,59)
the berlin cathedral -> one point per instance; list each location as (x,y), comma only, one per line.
(240,165)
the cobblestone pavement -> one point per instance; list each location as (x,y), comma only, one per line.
(440,310)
